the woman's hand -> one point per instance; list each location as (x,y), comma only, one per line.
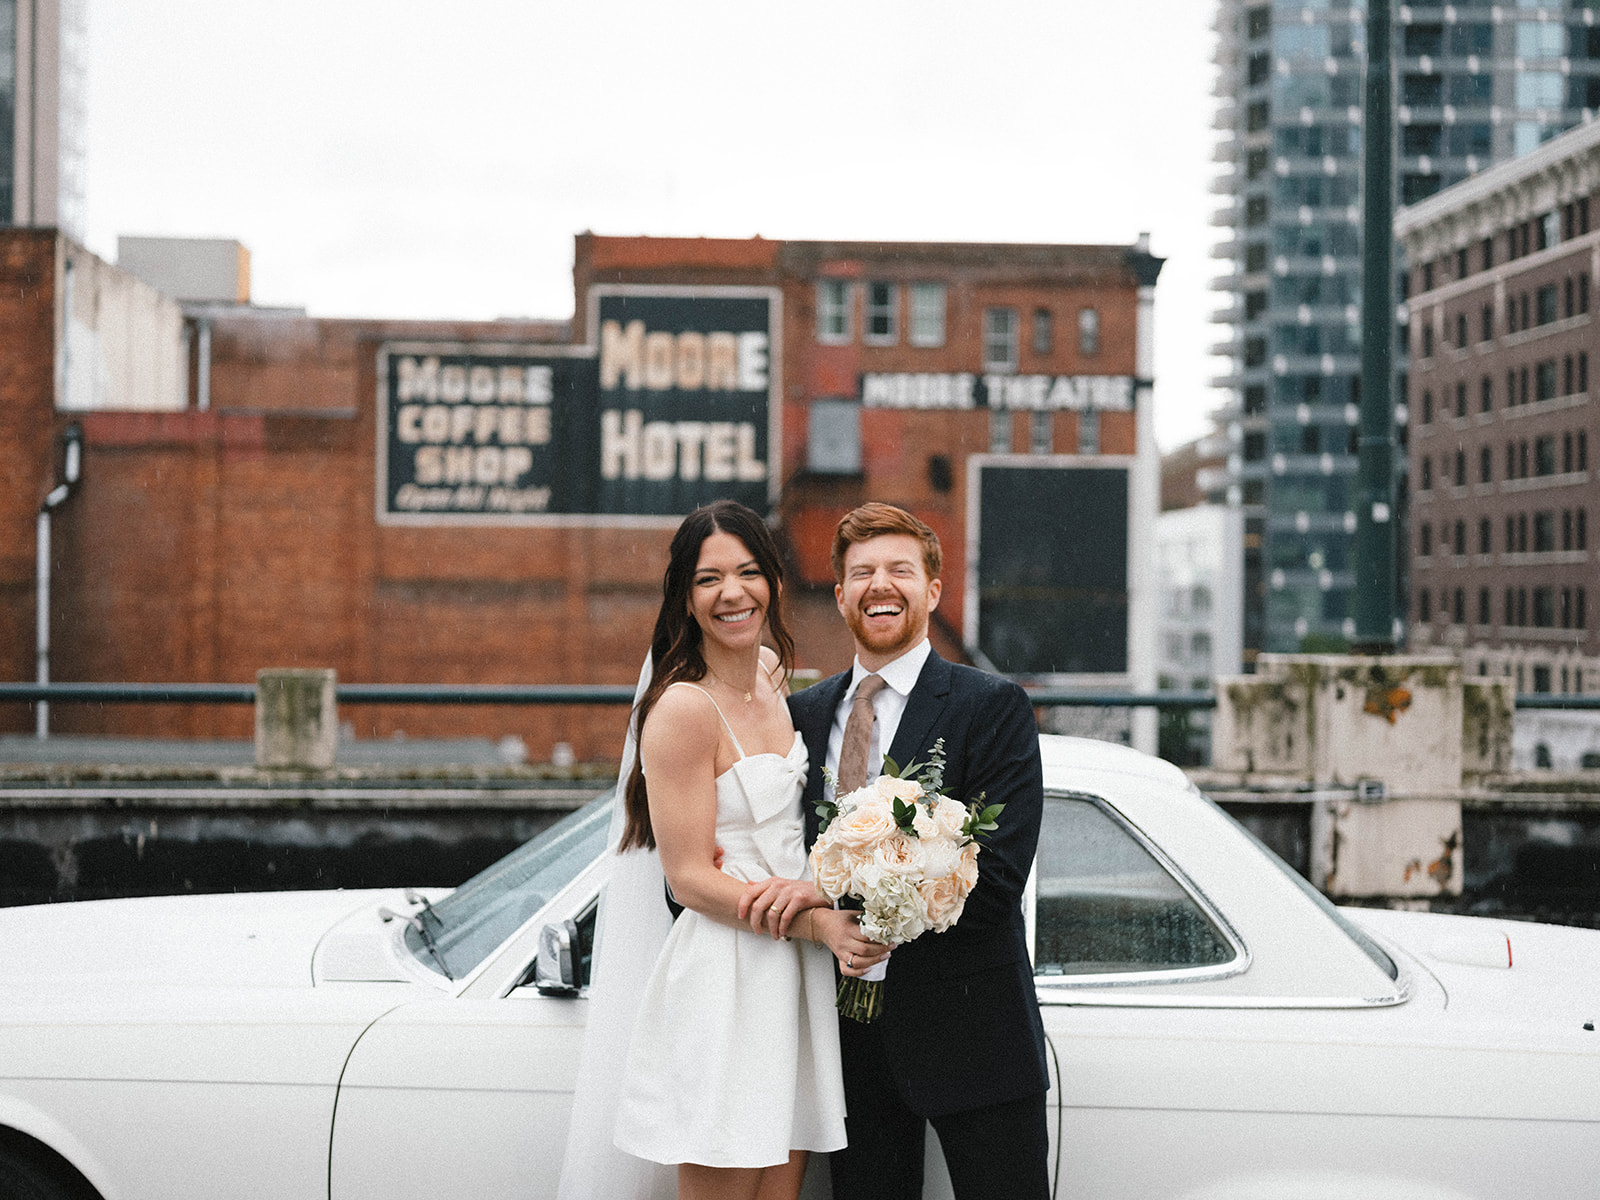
(771,905)
(840,931)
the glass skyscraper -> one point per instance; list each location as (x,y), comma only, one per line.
(1475,83)
(42,67)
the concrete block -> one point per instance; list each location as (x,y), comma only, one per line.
(1395,849)
(1329,719)
(297,719)
(1487,712)
(1396,719)
(1262,725)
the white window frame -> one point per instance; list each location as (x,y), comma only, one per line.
(928,303)
(1001,330)
(835,307)
(888,311)
(1088,331)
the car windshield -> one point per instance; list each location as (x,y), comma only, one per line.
(483,912)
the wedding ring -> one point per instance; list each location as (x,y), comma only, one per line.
(850,962)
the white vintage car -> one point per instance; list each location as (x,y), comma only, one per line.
(1218,1031)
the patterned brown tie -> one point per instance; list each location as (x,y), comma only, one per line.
(855,751)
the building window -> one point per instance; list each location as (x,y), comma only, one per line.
(927,314)
(1427,475)
(833,437)
(1043,331)
(1566,529)
(1544,608)
(1566,612)
(999,431)
(833,311)
(1485,616)
(1485,465)
(1510,615)
(1461,399)
(1088,331)
(1461,468)
(999,339)
(1544,379)
(1544,306)
(1427,408)
(1041,432)
(1544,531)
(1460,538)
(1425,541)
(1424,605)
(1487,323)
(1580,540)
(1459,608)
(1541,683)
(1544,455)
(1427,339)
(883,313)
(1089,431)
(1461,330)
(1485,535)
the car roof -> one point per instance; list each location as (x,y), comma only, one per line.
(1070,762)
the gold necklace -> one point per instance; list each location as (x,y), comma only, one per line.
(726,684)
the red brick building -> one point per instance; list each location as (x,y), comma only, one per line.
(236,518)
(1502,418)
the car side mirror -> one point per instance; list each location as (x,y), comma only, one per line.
(555,970)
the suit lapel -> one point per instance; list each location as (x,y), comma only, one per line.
(820,702)
(923,707)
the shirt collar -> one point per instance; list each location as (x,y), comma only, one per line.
(901,674)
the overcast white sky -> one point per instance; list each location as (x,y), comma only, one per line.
(399,158)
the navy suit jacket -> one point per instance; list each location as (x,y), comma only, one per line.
(960,1025)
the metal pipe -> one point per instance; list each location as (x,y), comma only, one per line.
(1375,599)
(202,368)
(71,467)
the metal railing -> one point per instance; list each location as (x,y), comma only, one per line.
(562,693)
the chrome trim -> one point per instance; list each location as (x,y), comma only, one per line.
(1238,965)
(1147,1000)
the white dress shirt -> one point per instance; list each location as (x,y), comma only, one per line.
(888,706)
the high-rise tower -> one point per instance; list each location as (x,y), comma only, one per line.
(42,62)
(1476,83)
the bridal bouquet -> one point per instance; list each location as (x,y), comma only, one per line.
(909,854)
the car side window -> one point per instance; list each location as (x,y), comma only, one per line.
(1106,904)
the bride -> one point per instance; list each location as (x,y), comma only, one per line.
(711,1048)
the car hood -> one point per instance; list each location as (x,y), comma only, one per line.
(1511,973)
(256,940)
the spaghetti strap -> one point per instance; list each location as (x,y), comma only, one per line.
(715,705)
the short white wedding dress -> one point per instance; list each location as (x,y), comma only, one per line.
(734,1056)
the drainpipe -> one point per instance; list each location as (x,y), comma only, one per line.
(71,469)
(202,367)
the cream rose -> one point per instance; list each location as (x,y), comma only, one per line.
(865,823)
(830,870)
(943,899)
(891,788)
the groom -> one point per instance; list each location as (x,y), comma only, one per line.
(959,1043)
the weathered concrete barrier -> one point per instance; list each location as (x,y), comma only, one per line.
(1386,747)
(297,719)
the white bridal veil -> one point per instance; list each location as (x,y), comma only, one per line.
(631,928)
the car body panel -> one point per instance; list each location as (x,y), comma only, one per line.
(287,1045)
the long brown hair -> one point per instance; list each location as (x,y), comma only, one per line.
(676,652)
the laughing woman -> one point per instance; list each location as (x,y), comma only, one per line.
(732,1072)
